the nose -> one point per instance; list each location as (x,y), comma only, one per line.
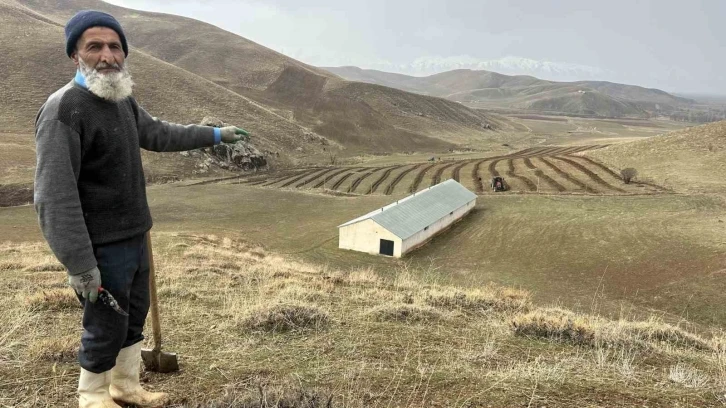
(107,55)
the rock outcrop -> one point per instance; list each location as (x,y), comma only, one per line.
(239,156)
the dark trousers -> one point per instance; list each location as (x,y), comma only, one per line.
(124,267)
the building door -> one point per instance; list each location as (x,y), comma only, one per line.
(386,247)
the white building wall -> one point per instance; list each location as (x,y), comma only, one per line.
(365,236)
(422,236)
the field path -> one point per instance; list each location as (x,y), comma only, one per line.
(315,177)
(342,180)
(457,170)
(295,179)
(357,181)
(419,178)
(327,178)
(437,175)
(493,168)
(476,177)
(394,183)
(383,177)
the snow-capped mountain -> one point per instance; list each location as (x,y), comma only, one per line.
(562,71)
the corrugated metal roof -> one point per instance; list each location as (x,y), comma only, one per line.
(415,212)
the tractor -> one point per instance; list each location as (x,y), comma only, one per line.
(498,184)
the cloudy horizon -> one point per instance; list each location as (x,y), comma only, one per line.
(668,45)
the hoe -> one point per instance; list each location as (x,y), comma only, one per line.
(155,359)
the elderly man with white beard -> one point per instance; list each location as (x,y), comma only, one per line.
(90,198)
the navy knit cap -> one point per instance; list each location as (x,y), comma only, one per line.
(86,19)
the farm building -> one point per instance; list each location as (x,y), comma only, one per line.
(406,224)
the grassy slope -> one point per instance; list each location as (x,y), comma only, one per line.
(307,95)
(690,160)
(163,89)
(250,325)
(609,252)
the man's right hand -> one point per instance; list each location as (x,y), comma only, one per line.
(233,134)
(87,283)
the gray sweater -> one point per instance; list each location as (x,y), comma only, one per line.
(89,182)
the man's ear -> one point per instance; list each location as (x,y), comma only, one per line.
(74,57)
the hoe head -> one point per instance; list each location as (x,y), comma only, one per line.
(158,361)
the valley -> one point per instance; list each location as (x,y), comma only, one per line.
(570,288)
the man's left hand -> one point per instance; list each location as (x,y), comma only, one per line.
(233,134)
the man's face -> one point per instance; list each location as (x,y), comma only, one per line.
(100,48)
(99,57)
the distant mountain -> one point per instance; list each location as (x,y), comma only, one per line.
(486,89)
(509,65)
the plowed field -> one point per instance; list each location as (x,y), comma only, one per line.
(551,169)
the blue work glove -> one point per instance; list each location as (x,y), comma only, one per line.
(233,134)
(87,283)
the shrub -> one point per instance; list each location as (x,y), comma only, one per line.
(405,313)
(556,324)
(628,174)
(480,300)
(286,317)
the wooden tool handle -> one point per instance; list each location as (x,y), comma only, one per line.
(154,299)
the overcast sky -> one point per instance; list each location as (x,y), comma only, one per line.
(673,45)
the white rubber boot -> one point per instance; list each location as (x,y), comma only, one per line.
(93,390)
(125,385)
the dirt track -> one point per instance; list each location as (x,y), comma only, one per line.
(437,175)
(381,179)
(327,178)
(394,183)
(455,174)
(590,174)
(419,178)
(357,181)
(567,176)
(511,172)
(548,169)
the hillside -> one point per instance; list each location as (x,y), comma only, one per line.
(492,90)
(163,89)
(688,160)
(304,95)
(254,328)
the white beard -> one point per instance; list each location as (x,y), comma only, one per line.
(114,87)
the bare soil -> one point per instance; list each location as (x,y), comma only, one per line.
(562,169)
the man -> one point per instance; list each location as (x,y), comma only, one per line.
(91,201)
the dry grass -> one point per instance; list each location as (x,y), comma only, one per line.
(689,160)
(61,350)
(254,329)
(564,325)
(688,376)
(286,317)
(53,300)
(479,300)
(405,313)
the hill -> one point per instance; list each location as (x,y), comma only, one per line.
(359,117)
(688,160)
(493,90)
(33,69)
